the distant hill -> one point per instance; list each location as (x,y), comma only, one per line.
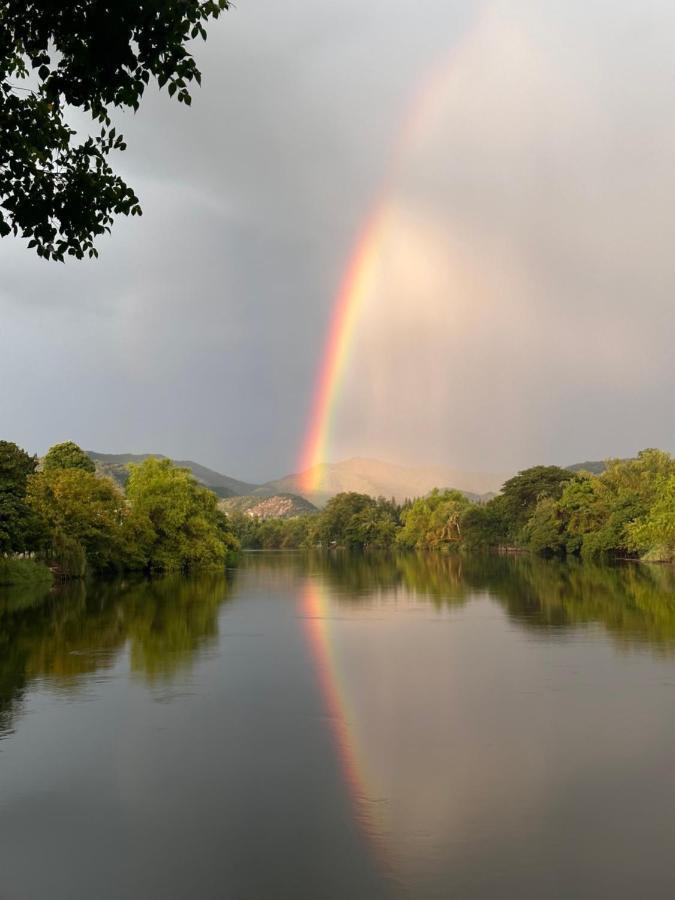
(279,506)
(596,467)
(366,476)
(115,465)
(378,478)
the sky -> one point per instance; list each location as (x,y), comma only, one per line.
(522,309)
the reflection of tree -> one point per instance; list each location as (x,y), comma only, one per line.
(76,630)
(171,619)
(635,603)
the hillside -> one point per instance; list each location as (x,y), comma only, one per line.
(378,478)
(596,467)
(279,506)
(115,465)
(367,476)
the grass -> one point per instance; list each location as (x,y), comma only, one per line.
(23,572)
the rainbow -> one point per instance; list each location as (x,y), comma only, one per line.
(317,617)
(356,286)
(361,274)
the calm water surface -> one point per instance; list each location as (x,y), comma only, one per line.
(342,727)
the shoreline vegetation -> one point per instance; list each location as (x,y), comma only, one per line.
(61,518)
(627,511)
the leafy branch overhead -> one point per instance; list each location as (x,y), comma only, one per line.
(57,188)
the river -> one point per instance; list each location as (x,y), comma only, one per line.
(342,728)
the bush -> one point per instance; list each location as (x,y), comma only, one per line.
(23,571)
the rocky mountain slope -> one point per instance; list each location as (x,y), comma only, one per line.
(279,506)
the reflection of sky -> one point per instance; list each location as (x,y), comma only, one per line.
(495,760)
(489,753)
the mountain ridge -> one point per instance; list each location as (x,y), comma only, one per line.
(379,478)
(115,465)
(361,474)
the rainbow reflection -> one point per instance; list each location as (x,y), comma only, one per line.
(317,617)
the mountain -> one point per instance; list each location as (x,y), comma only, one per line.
(279,506)
(367,476)
(115,465)
(596,467)
(378,478)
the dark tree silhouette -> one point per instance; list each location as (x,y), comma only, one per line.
(56,187)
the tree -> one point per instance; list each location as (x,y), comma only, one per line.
(181,519)
(80,509)
(543,532)
(332,526)
(599,510)
(67,456)
(19,526)
(522,492)
(356,521)
(374,526)
(434,521)
(653,534)
(484,524)
(57,189)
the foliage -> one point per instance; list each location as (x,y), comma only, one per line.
(433,521)
(272,534)
(599,511)
(627,508)
(23,571)
(543,532)
(67,555)
(357,521)
(168,520)
(521,494)
(653,534)
(179,518)
(484,524)
(79,508)
(57,189)
(67,456)
(18,526)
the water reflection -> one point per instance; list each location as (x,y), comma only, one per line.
(634,603)
(61,635)
(343,726)
(459,745)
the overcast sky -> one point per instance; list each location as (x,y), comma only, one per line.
(523,310)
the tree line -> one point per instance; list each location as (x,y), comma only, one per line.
(628,510)
(63,514)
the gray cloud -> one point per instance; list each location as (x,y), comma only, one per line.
(545,179)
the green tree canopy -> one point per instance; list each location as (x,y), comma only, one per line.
(484,524)
(433,521)
(18,524)
(653,534)
(80,509)
(67,456)
(356,520)
(183,525)
(522,492)
(56,187)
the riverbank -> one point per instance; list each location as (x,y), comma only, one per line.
(17,572)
